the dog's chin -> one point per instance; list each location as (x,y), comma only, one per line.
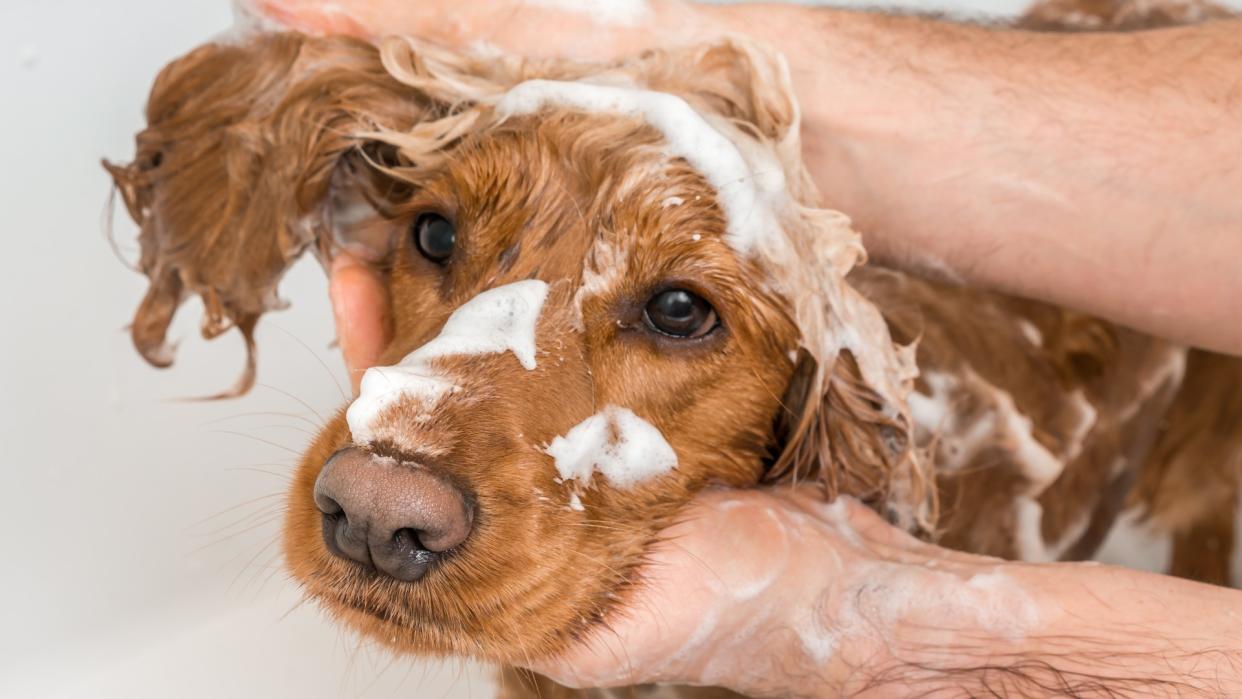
(409,619)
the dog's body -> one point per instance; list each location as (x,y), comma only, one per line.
(568,224)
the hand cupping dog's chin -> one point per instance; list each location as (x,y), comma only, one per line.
(795,593)
(730,610)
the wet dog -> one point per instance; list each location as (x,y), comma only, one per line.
(613,286)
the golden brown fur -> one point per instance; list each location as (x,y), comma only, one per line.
(1037,419)
(1118,15)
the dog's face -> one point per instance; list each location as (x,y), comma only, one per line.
(597,313)
(657,369)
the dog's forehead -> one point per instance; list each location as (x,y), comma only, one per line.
(573,175)
(747,184)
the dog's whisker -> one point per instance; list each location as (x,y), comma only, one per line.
(296,606)
(271,565)
(331,375)
(275,474)
(269,518)
(267,413)
(234,508)
(377,676)
(295,428)
(274,570)
(270,443)
(245,568)
(299,401)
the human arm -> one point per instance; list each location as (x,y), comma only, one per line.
(774,594)
(1101,172)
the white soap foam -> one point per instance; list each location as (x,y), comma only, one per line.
(1037,462)
(1088,417)
(1134,543)
(1031,332)
(936,414)
(932,412)
(502,319)
(882,595)
(622,446)
(746,196)
(1028,521)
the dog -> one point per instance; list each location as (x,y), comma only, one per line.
(613,286)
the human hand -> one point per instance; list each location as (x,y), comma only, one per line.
(776,593)
(596,31)
(360,310)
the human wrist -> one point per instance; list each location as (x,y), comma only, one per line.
(1081,629)
(816,629)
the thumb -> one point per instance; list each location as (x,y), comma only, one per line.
(360,309)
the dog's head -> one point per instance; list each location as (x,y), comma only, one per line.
(610,285)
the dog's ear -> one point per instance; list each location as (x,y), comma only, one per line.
(845,420)
(232,173)
(838,430)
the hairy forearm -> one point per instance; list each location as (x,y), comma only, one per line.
(1102,172)
(1101,631)
(975,626)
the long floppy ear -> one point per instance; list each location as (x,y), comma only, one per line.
(845,436)
(232,173)
(845,420)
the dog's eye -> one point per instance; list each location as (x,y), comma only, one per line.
(680,313)
(435,237)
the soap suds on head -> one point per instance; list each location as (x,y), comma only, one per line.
(502,319)
(751,157)
(620,445)
(747,197)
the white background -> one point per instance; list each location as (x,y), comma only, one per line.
(138,555)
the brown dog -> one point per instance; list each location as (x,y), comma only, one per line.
(612,287)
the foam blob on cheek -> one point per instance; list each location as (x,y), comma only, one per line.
(625,448)
(498,320)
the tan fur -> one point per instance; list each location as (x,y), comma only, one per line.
(1038,411)
(233,170)
(1118,15)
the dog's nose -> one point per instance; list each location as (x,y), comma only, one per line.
(393,515)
